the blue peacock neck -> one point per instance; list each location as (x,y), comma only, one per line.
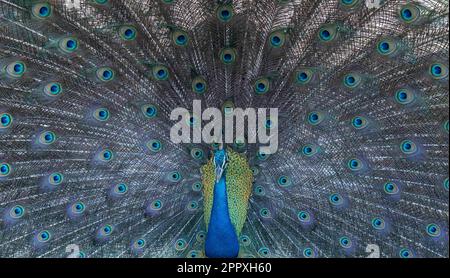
(221,239)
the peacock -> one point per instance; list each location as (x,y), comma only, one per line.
(88,168)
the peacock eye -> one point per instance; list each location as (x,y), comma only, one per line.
(174,176)
(404,96)
(264,252)
(106,230)
(349,4)
(352,80)
(121,189)
(259,190)
(244,240)
(197,154)
(5,169)
(78,207)
(149,110)
(43,236)
(53,89)
(180,37)
(378,223)
(225,13)
(355,164)
(168,2)
(6,120)
(308,253)
(192,205)
(387,47)
(446,184)
(197,186)
(101,2)
(336,199)
(160,72)
(264,213)
(391,188)
(304,216)
(433,230)
(277,38)
(154,145)
(345,242)
(101,114)
(201,236)
(409,13)
(315,118)
(16,69)
(262,86)
(227,56)
(408,147)
(284,181)
(68,45)
(139,243)
(42,10)
(406,253)
(156,205)
(304,76)
(56,178)
(127,33)
(262,156)
(310,150)
(106,155)
(328,33)
(438,71)
(199,85)
(180,244)
(359,122)
(105,74)
(17,212)
(47,137)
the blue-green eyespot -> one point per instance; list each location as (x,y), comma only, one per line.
(408,147)
(160,72)
(42,10)
(225,13)
(352,80)
(17,212)
(228,56)
(44,236)
(47,137)
(438,71)
(262,86)
(15,69)
(53,89)
(101,114)
(56,179)
(328,33)
(404,96)
(180,37)
(68,45)
(409,13)
(127,33)
(6,120)
(199,85)
(181,244)
(5,169)
(149,110)
(154,145)
(277,38)
(359,122)
(106,155)
(105,74)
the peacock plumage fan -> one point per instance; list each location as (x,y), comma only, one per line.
(86,161)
